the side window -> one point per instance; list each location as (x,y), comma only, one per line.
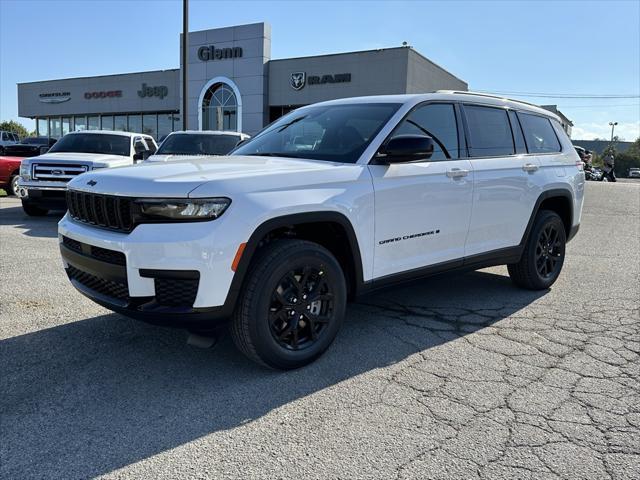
(150,145)
(438,120)
(5,136)
(489,131)
(518,137)
(539,134)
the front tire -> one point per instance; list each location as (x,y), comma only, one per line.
(292,305)
(543,256)
(33,210)
(13,186)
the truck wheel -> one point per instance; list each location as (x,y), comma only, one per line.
(13,186)
(292,305)
(543,254)
(33,210)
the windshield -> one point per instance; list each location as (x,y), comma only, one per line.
(197,144)
(93,143)
(335,133)
(35,141)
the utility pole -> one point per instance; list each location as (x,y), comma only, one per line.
(613,125)
(185,50)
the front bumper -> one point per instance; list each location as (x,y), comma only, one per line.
(170,274)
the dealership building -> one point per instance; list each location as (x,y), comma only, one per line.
(233,84)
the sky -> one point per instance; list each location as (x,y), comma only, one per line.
(560,48)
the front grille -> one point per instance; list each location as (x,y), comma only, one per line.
(176,292)
(119,290)
(106,211)
(57,172)
(99,253)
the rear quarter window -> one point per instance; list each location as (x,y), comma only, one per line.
(539,134)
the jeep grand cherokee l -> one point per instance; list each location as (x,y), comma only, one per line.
(329,202)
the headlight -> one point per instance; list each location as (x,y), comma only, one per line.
(187,209)
(25,171)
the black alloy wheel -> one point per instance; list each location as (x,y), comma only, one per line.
(549,251)
(301,308)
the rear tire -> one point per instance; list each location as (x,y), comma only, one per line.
(33,210)
(292,305)
(543,256)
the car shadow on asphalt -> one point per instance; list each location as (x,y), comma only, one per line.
(88,397)
(46,226)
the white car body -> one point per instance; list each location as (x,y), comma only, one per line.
(51,171)
(238,136)
(401,219)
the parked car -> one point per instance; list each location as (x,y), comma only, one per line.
(7,138)
(9,172)
(634,173)
(43,179)
(331,201)
(178,144)
(30,147)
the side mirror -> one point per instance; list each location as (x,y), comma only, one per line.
(406,148)
(139,146)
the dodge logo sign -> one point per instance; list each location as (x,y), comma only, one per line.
(298,80)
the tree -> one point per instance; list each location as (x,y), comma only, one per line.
(15,127)
(626,160)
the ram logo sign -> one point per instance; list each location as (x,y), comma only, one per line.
(298,80)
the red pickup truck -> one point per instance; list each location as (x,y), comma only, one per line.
(9,171)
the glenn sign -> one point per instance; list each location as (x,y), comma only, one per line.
(207,53)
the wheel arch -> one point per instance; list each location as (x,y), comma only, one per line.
(331,229)
(558,200)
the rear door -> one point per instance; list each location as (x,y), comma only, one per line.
(422,209)
(506,179)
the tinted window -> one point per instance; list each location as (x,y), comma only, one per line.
(150,145)
(539,134)
(197,144)
(489,131)
(336,133)
(438,120)
(36,141)
(521,147)
(93,143)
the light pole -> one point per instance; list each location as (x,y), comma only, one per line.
(613,125)
(185,46)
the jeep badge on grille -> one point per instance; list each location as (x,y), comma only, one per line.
(91,183)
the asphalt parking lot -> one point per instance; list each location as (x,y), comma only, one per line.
(453,377)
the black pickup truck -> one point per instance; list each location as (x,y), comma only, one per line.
(29,147)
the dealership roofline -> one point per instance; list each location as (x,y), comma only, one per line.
(99,76)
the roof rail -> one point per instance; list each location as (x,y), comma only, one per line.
(478,94)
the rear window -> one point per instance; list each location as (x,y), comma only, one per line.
(93,143)
(539,134)
(489,131)
(197,144)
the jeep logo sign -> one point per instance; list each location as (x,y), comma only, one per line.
(159,91)
(212,53)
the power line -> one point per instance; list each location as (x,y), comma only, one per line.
(560,95)
(600,106)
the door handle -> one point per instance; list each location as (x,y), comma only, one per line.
(457,173)
(530,167)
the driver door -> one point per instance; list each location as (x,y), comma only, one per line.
(423,209)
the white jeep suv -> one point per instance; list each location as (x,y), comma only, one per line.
(329,202)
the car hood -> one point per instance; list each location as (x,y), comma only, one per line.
(91,158)
(171,158)
(222,175)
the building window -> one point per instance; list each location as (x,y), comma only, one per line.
(107,122)
(55,127)
(135,123)
(150,125)
(43,127)
(164,125)
(93,123)
(120,123)
(219,108)
(66,125)
(80,123)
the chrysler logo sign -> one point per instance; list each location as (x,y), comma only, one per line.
(207,53)
(54,97)
(300,79)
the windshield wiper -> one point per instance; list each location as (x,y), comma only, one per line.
(287,125)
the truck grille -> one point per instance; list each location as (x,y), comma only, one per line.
(105,211)
(57,172)
(176,292)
